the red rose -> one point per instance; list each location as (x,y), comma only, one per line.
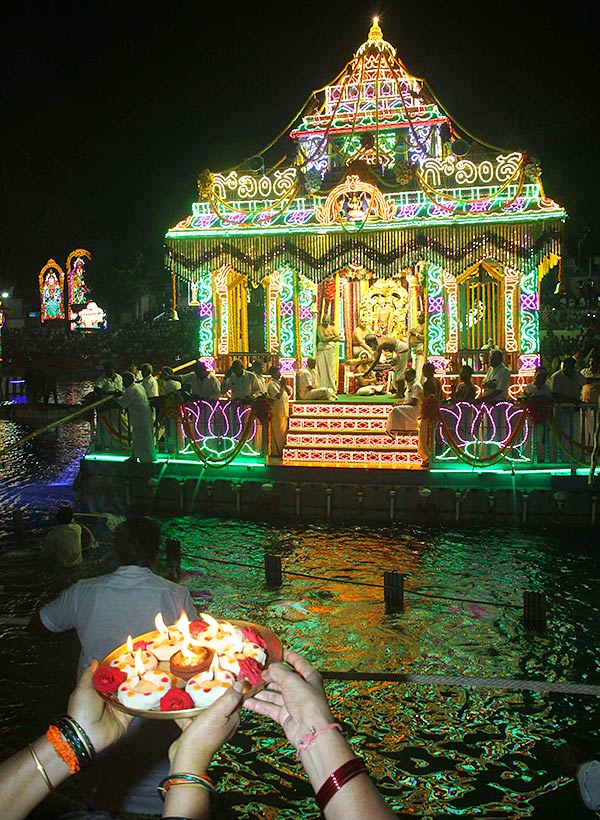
(250,670)
(107,679)
(197,626)
(252,635)
(175,700)
(143,645)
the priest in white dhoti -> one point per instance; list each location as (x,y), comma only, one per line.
(405,414)
(135,401)
(277,391)
(327,358)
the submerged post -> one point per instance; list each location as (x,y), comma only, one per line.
(534,610)
(393,591)
(273,575)
(18,524)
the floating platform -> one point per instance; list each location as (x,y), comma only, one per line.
(273,492)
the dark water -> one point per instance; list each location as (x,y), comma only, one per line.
(435,751)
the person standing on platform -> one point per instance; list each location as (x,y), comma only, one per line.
(257,369)
(104,611)
(149,382)
(566,383)
(464,389)
(496,381)
(203,384)
(135,401)
(590,392)
(400,350)
(109,384)
(307,386)
(240,383)
(171,385)
(404,415)
(431,386)
(327,339)
(416,337)
(278,392)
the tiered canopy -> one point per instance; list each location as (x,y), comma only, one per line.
(379,173)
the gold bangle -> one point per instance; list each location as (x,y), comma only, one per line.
(40,768)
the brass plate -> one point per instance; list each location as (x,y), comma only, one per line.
(274,652)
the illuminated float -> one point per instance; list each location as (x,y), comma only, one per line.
(384,208)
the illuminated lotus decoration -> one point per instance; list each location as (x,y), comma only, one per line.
(500,428)
(218,430)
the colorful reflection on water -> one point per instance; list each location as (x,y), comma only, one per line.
(435,751)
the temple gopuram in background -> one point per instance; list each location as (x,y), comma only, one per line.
(384,207)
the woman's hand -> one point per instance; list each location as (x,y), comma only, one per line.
(294,697)
(203,735)
(103,724)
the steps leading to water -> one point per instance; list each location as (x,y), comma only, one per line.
(340,434)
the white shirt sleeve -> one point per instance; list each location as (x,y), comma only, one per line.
(60,614)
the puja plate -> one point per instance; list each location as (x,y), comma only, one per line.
(274,652)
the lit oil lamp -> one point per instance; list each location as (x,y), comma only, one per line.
(126,660)
(206,687)
(168,642)
(144,688)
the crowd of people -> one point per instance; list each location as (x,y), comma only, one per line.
(49,348)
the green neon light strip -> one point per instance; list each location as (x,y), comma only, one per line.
(162,458)
(508,471)
(380,226)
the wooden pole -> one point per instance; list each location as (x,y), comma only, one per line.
(53,424)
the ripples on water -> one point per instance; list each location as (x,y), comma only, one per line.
(435,751)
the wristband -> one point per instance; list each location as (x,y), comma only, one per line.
(344,774)
(63,749)
(307,740)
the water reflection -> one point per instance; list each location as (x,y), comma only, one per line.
(435,751)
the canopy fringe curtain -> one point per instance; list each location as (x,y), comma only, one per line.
(318,256)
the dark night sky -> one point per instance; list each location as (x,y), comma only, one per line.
(111,109)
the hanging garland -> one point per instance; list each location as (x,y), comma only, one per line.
(123,439)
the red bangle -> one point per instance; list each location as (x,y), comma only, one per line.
(346,772)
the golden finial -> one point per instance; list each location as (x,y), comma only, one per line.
(375,32)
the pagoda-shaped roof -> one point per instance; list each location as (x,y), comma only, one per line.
(374,150)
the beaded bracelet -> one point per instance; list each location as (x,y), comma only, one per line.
(63,749)
(344,774)
(307,740)
(186,779)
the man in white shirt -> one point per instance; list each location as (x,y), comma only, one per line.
(566,383)
(257,369)
(240,383)
(203,384)
(109,384)
(149,382)
(135,401)
(539,386)
(63,542)
(416,337)
(307,387)
(496,381)
(104,611)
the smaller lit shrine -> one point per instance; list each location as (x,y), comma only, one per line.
(384,208)
(67,295)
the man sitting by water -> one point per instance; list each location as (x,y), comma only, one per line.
(104,611)
(63,542)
